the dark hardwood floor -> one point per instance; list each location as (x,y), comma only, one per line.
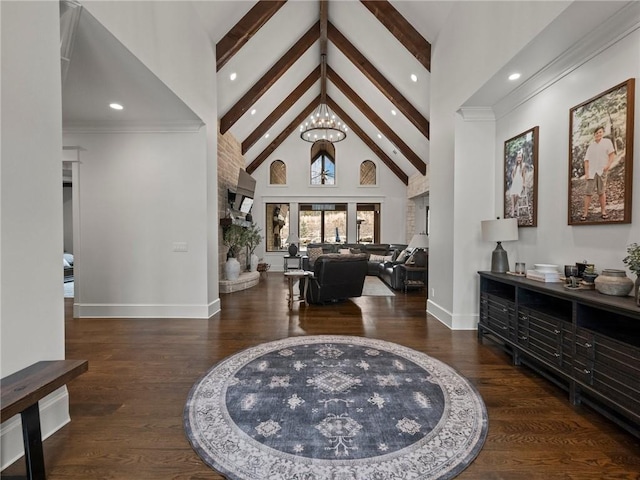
(127,409)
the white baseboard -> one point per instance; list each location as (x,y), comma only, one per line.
(442,315)
(454,322)
(214,307)
(97,310)
(54,414)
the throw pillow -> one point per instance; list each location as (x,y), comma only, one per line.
(68,257)
(402,257)
(344,251)
(313,253)
(380,258)
(355,250)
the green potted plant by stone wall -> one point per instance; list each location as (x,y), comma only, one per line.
(235,238)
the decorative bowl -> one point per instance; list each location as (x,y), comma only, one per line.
(546,267)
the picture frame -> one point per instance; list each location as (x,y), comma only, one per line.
(601,128)
(521,178)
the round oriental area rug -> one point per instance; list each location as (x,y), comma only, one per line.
(335,408)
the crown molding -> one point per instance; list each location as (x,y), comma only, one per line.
(477,114)
(618,26)
(135,127)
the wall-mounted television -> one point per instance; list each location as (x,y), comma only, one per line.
(246,204)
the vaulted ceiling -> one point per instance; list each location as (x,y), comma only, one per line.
(269,75)
(372,50)
(274,50)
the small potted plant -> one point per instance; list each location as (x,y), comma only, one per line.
(632,261)
(253,240)
(589,275)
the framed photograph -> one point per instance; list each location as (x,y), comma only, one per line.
(601,157)
(521,178)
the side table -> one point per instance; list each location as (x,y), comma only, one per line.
(292,276)
(414,276)
(292,262)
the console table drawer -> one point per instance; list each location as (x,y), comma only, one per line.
(499,315)
(545,336)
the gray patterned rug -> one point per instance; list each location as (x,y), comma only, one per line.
(334,408)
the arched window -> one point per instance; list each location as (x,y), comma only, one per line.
(367,173)
(278,173)
(323,164)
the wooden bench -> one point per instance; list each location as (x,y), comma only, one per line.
(21,392)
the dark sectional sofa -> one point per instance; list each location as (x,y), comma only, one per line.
(389,270)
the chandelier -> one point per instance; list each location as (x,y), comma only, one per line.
(323,125)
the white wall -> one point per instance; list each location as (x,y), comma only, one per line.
(476,41)
(140,193)
(459,138)
(553,241)
(192,77)
(390,191)
(31,287)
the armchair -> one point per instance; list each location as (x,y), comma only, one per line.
(336,277)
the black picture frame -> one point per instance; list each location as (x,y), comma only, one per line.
(521,178)
(609,116)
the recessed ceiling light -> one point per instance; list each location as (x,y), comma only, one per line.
(393,112)
(233,76)
(514,76)
(414,77)
(379,136)
(266,135)
(116,106)
(253,112)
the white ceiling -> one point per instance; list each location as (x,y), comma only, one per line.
(103,71)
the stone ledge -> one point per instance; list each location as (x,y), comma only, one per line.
(244,281)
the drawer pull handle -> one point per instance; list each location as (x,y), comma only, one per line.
(504,309)
(557,355)
(556,331)
(587,345)
(523,337)
(524,317)
(587,371)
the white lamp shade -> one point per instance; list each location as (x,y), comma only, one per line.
(292,238)
(419,240)
(500,230)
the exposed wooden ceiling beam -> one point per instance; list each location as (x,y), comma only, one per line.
(294,125)
(408,36)
(387,89)
(246,28)
(280,110)
(324,21)
(269,78)
(373,117)
(353,126)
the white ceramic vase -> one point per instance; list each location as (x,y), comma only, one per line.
(253,266)
(232,268)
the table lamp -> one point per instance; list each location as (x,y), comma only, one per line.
(293,240)
(419,243)
(500,230)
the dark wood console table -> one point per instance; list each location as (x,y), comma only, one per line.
(21,392)
(583,341)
